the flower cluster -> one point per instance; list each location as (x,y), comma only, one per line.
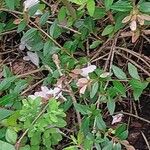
(46,93)
(134,18)
(83,82)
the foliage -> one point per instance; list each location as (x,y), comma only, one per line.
(38,123)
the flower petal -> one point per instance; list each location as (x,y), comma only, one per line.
(87,70)
(126,19)
(133,25)
(117,118)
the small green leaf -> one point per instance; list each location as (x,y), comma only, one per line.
(111,106)
(83,109)
(108,4)
(119,73)
(10,4)
(11,136)
(80,137)
(138,87)
(62,14)
(55,30)
(108,146)
(6,83)
(21,26)
(121,6)
(95,44)
(99,13)
(145,7)
(6,146)
(100,122)
(94,89)
(91,7)
(44,18)
(29,34)
(117,146)
(118,86)
(133,71)
(108,29)
(4,113)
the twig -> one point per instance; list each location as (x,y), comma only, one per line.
(32,86)
(74,102)
(129,114)
(133,62)
(65,27)
(8,32)
(146,141)
(29,73)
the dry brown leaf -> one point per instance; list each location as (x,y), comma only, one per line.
(145,17)
(135,36)
(126,19)
(140,20)
(77,71)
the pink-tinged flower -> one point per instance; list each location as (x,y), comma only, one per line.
(30,3)
(85,71)
(133,25)
(82,84)
(46,93)
(117,118)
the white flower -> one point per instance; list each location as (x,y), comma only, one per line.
(117,118)
(85,71)
(46,93)
(29,3)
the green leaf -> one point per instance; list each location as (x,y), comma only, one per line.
(121,6)
(95,44)
(108,29)
(111,106)
(10,4)
(71,148)
(55,30)
(119,73)
(117,146)
(11,136)
(29,34)
(100,122)
(4,113)
(99,13)
(80,138)
(6,83)
(94,89)
(133,71)
(50,48)
(138,87)
(91,7)
(6,146)
(108,4)
(62,14)
(121,132)
(7,72)
(44,18)
(145,7)
(108,146)
(21,26)
(118,86)
(83,109)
